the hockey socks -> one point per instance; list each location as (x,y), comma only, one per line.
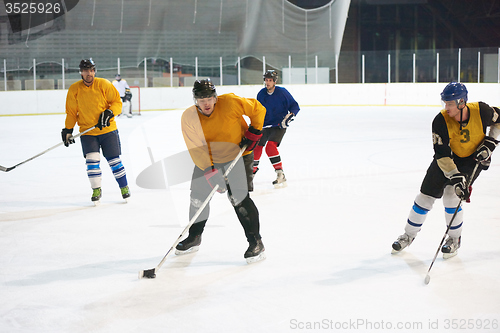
(271,151)
(450,202)
(248,215)
(274,155)
(418,213)
(92,160)
(257,153)
(118,170)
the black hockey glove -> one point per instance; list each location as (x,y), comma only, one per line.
(251,138)
(484,151)
(67,136)
(287,120)
(105,118)
(462,190)
(128,95)
(214,177)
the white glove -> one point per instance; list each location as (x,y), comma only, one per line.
(287,120)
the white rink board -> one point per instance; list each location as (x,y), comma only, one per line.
(376,94)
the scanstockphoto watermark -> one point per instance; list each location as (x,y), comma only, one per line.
(488,325)
(355,324)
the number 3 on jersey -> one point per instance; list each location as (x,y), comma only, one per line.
(466,136)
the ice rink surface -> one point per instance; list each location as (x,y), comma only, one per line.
(353,173)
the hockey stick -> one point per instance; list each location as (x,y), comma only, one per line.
(428,277)
(151,273)
(2,168)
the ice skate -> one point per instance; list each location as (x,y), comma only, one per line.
(402,242)
(188,245)
(255,252)
(450,247)
(125,192)
(280,181)
(96,196)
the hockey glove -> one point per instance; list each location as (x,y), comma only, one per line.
(67,136)
(128,95)
(459,180)
(287,120)
(251,138)
(105,118)
(484,151)
(214,177)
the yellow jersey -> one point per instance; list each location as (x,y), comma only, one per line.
(85,104)
(464,142)
(216,138)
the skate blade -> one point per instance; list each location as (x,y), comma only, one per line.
(449,255)
(190,250)
(260,257)
(96,203)
(280,185)
(395,251)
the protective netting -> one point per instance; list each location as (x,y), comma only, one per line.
(182,30)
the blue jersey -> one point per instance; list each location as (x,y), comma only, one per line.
(277,105)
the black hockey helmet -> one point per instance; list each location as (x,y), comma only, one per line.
(271,74)
(87,64)
(203,89)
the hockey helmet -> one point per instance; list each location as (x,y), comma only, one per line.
(118,77)
(87,64)
(455,91)
(271,74)
(203,89)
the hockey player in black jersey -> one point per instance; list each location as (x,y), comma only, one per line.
(460,142)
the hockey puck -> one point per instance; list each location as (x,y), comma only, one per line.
(427,279)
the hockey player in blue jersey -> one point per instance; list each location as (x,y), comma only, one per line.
(281,107)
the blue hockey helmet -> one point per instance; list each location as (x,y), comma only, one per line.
(455,91)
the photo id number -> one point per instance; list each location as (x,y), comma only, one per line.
(32,8)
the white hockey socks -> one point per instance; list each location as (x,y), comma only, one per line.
(92,160)
(422,205)
(450,202)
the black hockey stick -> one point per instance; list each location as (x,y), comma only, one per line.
(2,168)
(469,183)
(151,273)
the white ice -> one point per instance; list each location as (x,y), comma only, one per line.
(353,173)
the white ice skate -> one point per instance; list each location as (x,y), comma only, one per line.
(450,247)
(402,242)
(280,181)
